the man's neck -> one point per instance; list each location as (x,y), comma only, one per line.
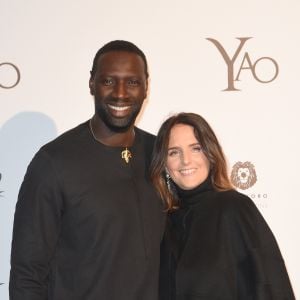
(111,138)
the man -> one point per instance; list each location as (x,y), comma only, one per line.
(88,223)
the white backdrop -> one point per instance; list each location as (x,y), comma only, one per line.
(52,44)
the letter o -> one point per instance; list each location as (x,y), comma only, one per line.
(276,69)
(18,75)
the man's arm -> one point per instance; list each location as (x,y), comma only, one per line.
(36,230)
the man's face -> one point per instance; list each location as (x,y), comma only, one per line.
(119,88)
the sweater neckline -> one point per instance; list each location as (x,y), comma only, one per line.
(114,148)
(191,197)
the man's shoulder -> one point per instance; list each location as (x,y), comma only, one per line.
(67,140)
(64,149)
(145,134)
(146,138)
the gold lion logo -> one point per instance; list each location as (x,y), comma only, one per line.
(243,175)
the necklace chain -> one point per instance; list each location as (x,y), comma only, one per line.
(125,154)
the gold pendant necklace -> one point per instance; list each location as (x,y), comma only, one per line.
(125,154)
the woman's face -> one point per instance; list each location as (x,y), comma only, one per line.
(186,163)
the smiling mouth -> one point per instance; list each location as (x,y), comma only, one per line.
(187,171)
(118,108)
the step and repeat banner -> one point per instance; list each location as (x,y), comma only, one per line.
(234,62)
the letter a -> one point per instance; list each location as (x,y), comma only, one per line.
(230,62)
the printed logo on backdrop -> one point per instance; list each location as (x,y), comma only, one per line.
(248,64)
(243,176)
(10,75)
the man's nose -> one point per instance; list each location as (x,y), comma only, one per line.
(120,91)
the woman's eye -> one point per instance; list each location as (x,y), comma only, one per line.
(197,148)
(173,153)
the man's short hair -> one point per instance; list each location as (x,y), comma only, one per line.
(119,45)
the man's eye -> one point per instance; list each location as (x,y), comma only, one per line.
(107,81)
(133,82)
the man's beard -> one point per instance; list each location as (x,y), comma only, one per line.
(117,124)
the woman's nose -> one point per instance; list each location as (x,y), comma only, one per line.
(185,157)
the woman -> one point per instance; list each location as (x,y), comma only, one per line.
(217,245)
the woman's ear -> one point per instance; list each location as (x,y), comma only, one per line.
(168,179)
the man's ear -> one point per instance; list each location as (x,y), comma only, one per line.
(92,86)
(146,88)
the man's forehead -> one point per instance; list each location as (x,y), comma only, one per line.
(116,60)
(120,55)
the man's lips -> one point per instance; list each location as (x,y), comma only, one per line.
(119,111)
(118,108)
